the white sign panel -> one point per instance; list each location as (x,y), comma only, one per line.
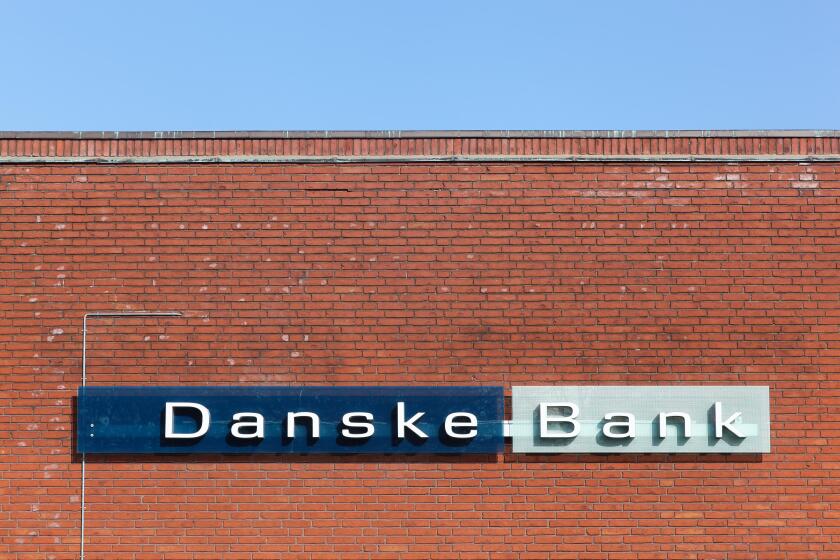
(641,419)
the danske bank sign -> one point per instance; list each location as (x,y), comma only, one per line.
(447,419)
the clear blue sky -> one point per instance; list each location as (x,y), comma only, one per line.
(427,64)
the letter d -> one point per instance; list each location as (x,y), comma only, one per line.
(169,423)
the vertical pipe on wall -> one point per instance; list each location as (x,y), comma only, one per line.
(84,383)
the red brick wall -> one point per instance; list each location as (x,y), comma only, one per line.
(362,273)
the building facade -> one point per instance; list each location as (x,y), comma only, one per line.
(420,259)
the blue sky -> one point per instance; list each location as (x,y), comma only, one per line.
(419,65)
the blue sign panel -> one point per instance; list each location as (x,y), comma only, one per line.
(305,419)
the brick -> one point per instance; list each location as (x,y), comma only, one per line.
(432,273)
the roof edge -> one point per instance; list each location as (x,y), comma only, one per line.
(407,134)
(417,159)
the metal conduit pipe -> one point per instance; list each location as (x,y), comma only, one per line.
(95,314)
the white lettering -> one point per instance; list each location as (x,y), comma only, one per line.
(169,421)
(402,423)
(256,425)
(663,423)
(458,420)
(315,423)
(628,425)
(350,420)
(720,424)
(546,418)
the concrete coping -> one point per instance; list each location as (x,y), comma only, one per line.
(408,134)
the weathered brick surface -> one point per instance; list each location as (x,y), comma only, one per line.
(422,274)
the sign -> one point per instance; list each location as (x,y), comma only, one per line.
(641,419)
(305,419)
(451,419)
